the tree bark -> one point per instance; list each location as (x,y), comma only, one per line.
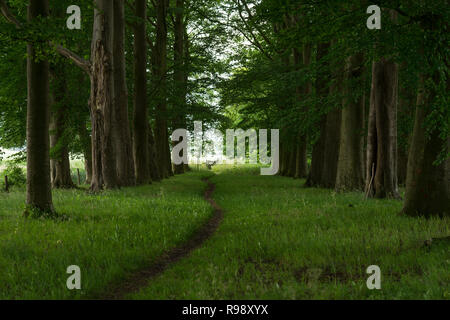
(350,170)
(87,150)
(318,154)
(39,194)
(301,161)
(178,76)
(155,172)
(187,61)
(122,135)
(104,168)
(427,184)
(60,162)
(331,149)
(161,130)
(141,125)
(292,160)
(382,132)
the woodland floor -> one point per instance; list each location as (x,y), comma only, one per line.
(277,240)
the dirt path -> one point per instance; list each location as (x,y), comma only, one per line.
(142,278)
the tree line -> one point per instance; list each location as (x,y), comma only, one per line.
(358,109)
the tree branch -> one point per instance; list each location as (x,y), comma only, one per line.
(80,62)
(8,15)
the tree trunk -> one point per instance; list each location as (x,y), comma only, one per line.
(427,184)
(292,160)
(301,161)
(161,131)
(382,133)
(155,172)
(186,76)
(331,149)
(333,129)
(284,157)
(60,162)
(350,176)
(318,154)
(317,160)
(87,151)
(302,145)
(178,76)
(122,136)
(104,168)
(141,126)
(39,194)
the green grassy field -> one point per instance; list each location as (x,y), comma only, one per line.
(106,235)
(281,241)
(278,240)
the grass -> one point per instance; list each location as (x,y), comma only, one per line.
(279,240)
(107,235)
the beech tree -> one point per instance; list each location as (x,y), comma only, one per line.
(350,169)
(39,195)
(123,144)
(141,125)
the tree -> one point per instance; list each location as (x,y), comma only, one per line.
(350,176)
(318,154)
(39,194)
(141,125)
(122,135)
(381,174)
(382,154)
(160,82)
(59,133)
(427,183)
(179,109)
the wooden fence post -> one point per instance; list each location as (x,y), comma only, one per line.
(79,180)
(6,184)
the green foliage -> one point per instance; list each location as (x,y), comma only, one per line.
(15,173)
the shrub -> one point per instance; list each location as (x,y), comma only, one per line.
(16,175)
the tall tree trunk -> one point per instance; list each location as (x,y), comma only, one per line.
(284,156)
(427,184)
(122,135)
(382,133)
(331,149)
(318,154)
(187,62)
(178,76)
(155,172)
(141,126)
(87,150)
(350,170)
(406,111)
(302,145)
(292,160)
(60,162)
(104,168)
(39,194)
(161,131)
(301,161)
(333,129)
